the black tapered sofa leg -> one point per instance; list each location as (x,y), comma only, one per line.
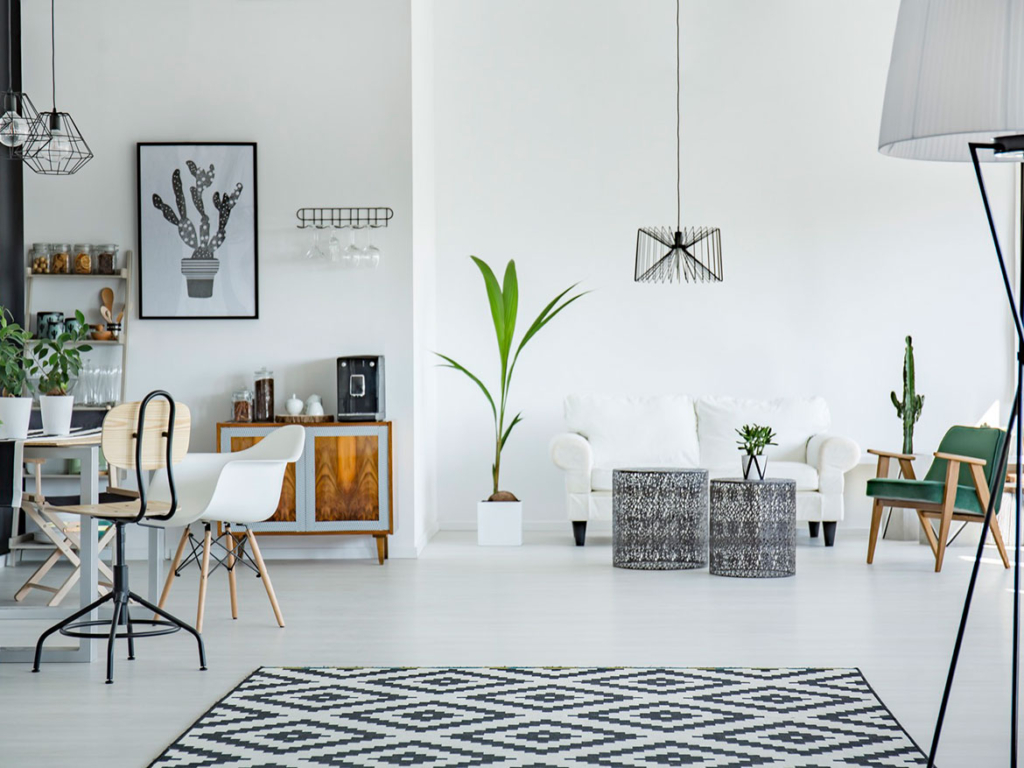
(830,533)
(579,532)
(813,528)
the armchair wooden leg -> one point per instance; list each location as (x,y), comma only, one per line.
(997,535)
(232,582)
(948,502)
(265,576)
(204,578)
(929,533)
(174,566)
(876,522)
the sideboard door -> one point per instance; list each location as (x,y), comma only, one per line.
(288,517)
(348,474)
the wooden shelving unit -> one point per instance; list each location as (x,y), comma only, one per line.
(92,283)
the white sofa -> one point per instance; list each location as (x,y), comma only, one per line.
(610,431)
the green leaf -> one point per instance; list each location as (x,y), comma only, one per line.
(516,420)
(545,317)
(449,363)
(494,298)
(510,296)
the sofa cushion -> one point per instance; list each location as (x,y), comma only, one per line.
(805,475)
(794,420)
(624,431)
(928,491)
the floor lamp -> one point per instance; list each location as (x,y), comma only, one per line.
(955,92)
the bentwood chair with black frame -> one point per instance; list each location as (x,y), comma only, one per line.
(147,436)
(956,487)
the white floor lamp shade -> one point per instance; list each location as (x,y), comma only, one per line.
(956,76)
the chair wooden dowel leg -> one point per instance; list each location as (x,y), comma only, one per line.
(232,581)
(876,522)
(174,566)
(204,577)
(998,536)
(264,576)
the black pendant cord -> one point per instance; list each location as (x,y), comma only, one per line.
(53,60)
(996,485)
(679,152)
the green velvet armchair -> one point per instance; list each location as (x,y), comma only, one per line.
(956,487)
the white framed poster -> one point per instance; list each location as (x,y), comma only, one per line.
(198,249)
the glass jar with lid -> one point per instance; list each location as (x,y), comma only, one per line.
(60,259)
(40,257)
(241,406)
(105,259)
(264,405)
(82,259)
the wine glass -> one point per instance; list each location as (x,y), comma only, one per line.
(334,246)
(352,254)
(371,253)
(316,250)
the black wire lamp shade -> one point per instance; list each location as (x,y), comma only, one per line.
(690,254)
(678,254)
(61,151)
(22,131)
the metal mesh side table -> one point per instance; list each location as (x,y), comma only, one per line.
(753,528)
(660,518)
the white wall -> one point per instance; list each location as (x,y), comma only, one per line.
(324,88)
(555,140)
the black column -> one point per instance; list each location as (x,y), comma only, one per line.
(12,232)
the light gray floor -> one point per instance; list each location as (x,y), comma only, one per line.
(547,603)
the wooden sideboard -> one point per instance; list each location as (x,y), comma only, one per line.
(342,484)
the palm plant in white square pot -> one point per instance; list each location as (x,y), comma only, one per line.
(58,361)
(15,402)
(499,518)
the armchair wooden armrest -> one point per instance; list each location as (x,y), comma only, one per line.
(961,459)
(891,455)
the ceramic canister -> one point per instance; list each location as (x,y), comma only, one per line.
(49,325)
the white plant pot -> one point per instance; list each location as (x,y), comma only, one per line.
(56,411)
(14,413)
(499,523)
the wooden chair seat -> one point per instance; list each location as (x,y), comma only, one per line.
(118,510)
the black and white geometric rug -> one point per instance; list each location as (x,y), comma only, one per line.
(533,717)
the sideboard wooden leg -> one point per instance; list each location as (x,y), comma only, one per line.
(382,548)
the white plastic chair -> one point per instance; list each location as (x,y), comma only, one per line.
(231,489)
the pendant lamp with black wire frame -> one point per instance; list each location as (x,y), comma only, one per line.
(66,151)
(667,255)
(21,130)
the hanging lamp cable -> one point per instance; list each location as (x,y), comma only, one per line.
(679,159)
(53,61)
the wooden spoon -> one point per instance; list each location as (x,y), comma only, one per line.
(107,298)
(105,312)
(119,317)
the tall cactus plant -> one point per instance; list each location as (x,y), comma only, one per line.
(909,409)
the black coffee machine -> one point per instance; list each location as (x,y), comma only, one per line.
(361,388)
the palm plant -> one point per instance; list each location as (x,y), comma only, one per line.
(504,302)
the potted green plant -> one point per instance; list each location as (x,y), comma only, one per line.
(57,362)
(15,402)
(500,516)
(753,440)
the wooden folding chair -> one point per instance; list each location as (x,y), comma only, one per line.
(65,539)
(956,487)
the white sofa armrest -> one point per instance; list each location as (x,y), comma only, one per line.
(573,455)
(833,456)
(832,452)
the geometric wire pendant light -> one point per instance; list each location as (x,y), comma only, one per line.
(666,254)
(21,130)
(65,152)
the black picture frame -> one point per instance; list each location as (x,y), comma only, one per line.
(166,188)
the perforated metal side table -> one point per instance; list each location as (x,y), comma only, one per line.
(660,518)
(753,528)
